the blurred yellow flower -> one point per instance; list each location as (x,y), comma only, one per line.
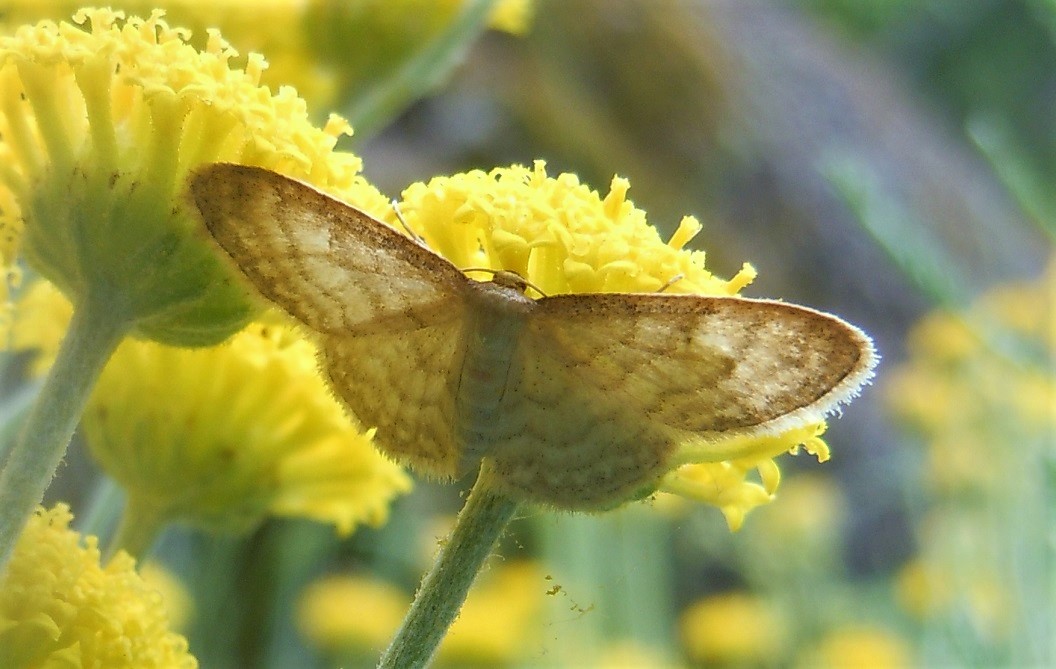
(811,513)
(979,390)
(60,608)
(631,655)
(564,237)
(219,437)
(330,614)
(498,622)
(979,378)
(960,575)
(40,319)
(493,629)
(232,433)
(858,647)
(101,120)
(734,629)
(179,606)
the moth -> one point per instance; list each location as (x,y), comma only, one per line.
(578,400)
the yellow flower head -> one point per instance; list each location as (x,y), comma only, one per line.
(329,613)
(557,233)
(100,121)
(563,237)
(493,628)
(496,624)
(733,629)
(858,646)
(60,608)
(235,432)
(328,51)
(935,590)
(219,437)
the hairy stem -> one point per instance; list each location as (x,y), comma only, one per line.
(32,461)
(444,588)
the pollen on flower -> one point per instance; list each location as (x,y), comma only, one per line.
(60,607)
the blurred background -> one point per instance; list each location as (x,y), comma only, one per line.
(890,161)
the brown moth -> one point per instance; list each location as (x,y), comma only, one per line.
(579,400)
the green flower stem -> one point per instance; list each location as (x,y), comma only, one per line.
(31,464)
(421,73)
(140,525)
(444,588)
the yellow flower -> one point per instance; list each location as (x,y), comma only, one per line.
(179,606)
(497,622)
(557,233)
(736,629)
(330,613)
(512,16)
(858,647)
(564,237)
(100,123)
(219,437)
(725,484)
(493,629)
(232,433)
(960,579)
(325,50)
(41,317)
(809,516)
(60,608)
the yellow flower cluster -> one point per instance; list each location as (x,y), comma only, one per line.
(101,122)
(249,426)
(979,390)
(59,607)
(858,646)
(557,233)
(725,484)
(981,377)
(319,48)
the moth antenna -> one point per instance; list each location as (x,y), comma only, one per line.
(508,277)
(406,228)
(670,282)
